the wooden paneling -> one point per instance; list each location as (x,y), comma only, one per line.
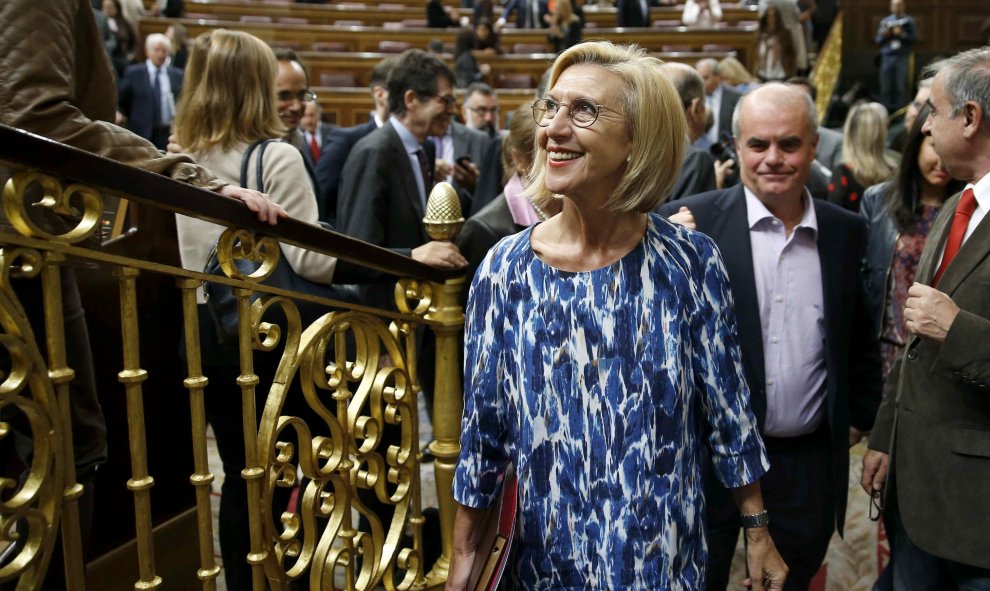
(372,15)
(743,39)
(360,64)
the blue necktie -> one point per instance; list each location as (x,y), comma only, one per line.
(156,103)
(427,172)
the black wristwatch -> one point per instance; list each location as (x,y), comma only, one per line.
(755,520)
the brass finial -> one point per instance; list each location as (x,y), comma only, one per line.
(443,218)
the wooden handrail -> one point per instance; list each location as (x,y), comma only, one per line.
(60,160)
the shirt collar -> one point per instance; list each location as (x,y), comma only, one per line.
(409,141)
(152,67)
(982,192)
(757,212)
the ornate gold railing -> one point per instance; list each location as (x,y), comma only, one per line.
(355,369)
(828,67)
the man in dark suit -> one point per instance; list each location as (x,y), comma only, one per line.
(292,93)
(530,14)
(721,101)
(459,141)
(698,170)
(341,140)
(149,91)
(935,420)
(389,173)
(632,13)
(810,358)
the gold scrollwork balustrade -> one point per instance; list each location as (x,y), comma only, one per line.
(339,421)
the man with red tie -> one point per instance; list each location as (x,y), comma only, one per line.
(315,131)
(931,441)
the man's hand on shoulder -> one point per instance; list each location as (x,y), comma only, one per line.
(929,312)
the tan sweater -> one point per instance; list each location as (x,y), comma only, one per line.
(288,185)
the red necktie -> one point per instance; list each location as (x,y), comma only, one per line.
(314,147)
(960,221)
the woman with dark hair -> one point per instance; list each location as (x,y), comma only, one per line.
(565,26)
(900,213)
(123,50)
(488,39)
(180,49)
(776,56)
(466,67)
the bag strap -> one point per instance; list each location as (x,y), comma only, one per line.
(259,167)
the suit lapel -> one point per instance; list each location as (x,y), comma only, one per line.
(937,237)
(973,252)
(830,248)
(406,175)
(732,230)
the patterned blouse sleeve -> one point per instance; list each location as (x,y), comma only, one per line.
(738,454)
(484,452)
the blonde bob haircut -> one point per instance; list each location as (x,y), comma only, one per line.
(229,95)
(654,119)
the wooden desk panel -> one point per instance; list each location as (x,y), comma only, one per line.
(360,64)
(348,107)
(374,16)
(743,39)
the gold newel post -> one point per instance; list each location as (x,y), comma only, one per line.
(443,221)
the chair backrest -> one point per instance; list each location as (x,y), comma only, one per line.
(717,47)
(285,45)
(393,46)
(529,48)
(392,26)
(414,22)
(254,18)
(338,46)
(292,20)
(675,48)
(338,80)
(347,23)
(667,23)
(514,81)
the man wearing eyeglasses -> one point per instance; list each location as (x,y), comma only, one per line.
(389,173)
(292,93)
(480,109)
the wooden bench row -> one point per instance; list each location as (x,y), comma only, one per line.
(742,39)
(376,15)
(351,106)
(336,70)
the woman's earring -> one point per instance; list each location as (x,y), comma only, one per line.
(629,158)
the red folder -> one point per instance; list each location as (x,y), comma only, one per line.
(498,534)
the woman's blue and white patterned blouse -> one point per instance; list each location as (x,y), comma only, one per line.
(603,387)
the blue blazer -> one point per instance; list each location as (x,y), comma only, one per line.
(135,97)
(523,18)
(629,13)
(336,146)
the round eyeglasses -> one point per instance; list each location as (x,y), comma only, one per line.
(303,96)
(582,112)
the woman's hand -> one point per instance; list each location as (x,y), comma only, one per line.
(467,530)
(767,570)
(268,211)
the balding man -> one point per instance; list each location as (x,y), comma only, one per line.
(149,91)
(721,101)
(698,170)
(809,355)
(935,421)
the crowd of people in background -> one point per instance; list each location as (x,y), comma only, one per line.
(835,326)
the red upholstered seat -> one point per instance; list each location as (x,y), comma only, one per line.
(346,23)
(285,45)
(514,81)
(292,20)
(717,47)
(338,46)
(414,22)
(666,23)
(338,80)
(393,46)
(254,18)
(529,48)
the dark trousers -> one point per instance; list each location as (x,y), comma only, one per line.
(797,493)
(894,81)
